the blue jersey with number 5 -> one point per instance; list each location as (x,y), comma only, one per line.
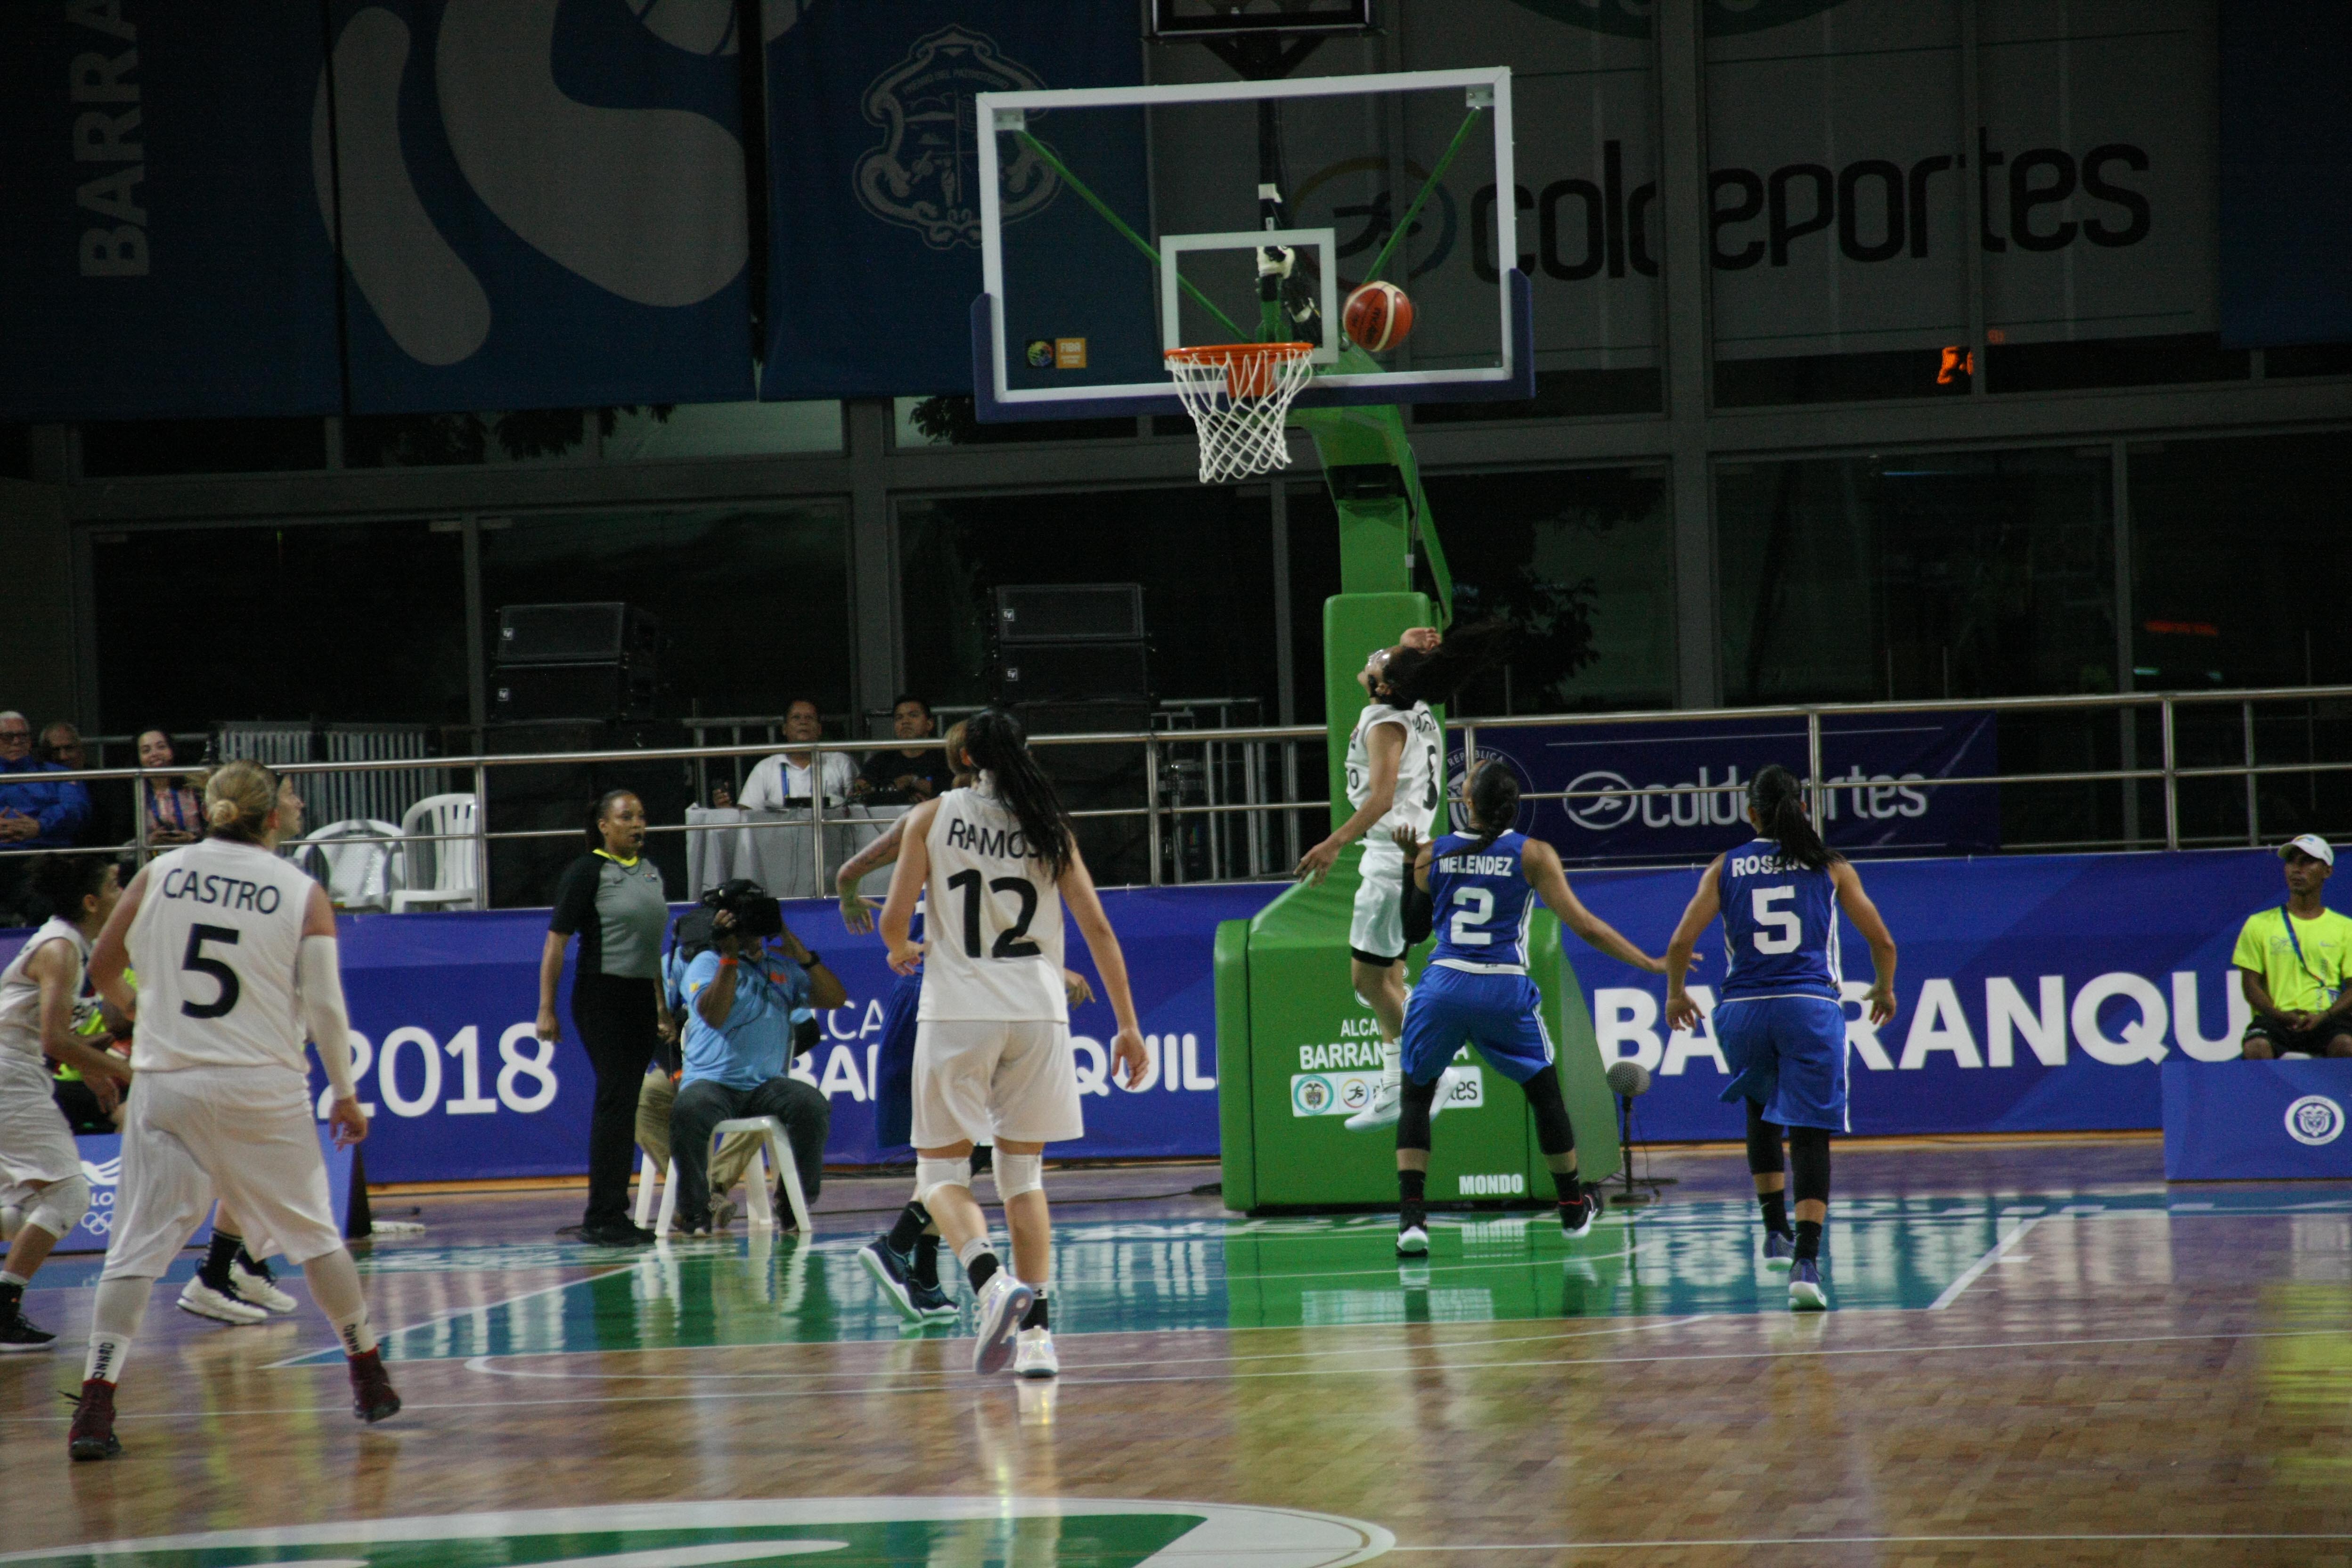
(1480,903)
(1779,925)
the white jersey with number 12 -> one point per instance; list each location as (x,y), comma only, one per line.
(1415,803)
(992,919)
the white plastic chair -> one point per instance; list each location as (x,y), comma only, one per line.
(445,872)
(358,876)
(775,1149)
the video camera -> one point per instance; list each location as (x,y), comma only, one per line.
(756,914)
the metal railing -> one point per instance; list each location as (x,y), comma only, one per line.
(1251,790)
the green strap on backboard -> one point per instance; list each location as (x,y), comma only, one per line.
(1380,262)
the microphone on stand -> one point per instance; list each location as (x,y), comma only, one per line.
(1627,1080)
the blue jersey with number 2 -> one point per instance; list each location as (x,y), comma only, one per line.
(1779,925)
(1480,903)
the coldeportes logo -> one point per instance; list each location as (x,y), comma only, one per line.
(2314,1120)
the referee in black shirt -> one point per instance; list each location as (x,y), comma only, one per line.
(612,899)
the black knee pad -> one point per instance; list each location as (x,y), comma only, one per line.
(1763,1142)
(1413,1118)
(1809,1162)
(1555,1135)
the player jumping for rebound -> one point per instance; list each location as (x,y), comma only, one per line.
(236,953)
(1781,1018)
(993,864)
(1480,891)
(1395,759)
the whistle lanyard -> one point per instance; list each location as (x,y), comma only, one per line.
(2287,914)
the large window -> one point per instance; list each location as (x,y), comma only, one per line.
(344,623)
(754,601)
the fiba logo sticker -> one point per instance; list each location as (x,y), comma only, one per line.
(1457,801)
(926,173)
(2314,1120)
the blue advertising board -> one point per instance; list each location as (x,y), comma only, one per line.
(165,257)
(2251,1122)
(873,176)
(2038,992)
(460,1087)
(1877,767)
(541,205)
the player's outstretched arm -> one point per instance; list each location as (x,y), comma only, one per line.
(1541,866)
(1866,919)
(1682,1012)
(109,956)
(857,913)
(907,887)
(1078,886)
(1385,746)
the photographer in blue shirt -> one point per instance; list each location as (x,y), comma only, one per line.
(741,997)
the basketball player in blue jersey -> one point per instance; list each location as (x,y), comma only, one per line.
(1782,1017)
(1480,892)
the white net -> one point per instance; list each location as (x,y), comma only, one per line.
(1238,396)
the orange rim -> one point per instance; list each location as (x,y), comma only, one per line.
(1249,367)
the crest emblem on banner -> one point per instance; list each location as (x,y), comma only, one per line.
(2314,1120)
(926,173)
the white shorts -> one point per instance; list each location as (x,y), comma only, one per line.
(987,1081)
(1376,931)
(37,1143)
(245,1135)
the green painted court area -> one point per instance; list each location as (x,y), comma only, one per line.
(1145,1276)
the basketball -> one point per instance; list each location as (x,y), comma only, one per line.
(1378,316)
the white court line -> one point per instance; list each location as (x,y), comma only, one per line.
(1968,1276)
(480,1363)
(382,1334)
(976,1384)
(1854,1541)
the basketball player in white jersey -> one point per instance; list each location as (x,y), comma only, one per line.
(37,1154)
(235,951)
(994,864)
(1395,766)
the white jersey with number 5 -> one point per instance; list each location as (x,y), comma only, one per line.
(1415,805)
(992,919)
(214,944)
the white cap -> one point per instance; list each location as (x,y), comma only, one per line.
(2311,844)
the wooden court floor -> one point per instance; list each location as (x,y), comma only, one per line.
(2039,1354)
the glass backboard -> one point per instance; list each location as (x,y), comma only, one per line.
(1118,223)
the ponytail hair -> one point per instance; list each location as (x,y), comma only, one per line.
(999,747)
(1774,796)
(238,798)
(1493,801)
(1435,675)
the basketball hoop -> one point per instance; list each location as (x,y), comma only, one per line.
(1238,396)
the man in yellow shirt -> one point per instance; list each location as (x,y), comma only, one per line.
(2294,960)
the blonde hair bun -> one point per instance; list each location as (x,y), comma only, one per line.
(239,797)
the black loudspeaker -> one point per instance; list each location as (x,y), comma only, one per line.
(601,691)
(1101,777)
(1090,612)
(604,633)
(559,796)
(1063,672)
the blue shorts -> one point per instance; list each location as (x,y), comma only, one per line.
(894,1064)
(1502,1015)
(1788,1055)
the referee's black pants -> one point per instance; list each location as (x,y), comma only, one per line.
(614,1015)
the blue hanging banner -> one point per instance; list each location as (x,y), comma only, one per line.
(873,176)
(1878,769)
(197,282)
(542,203)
